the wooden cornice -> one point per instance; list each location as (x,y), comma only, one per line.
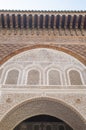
(43,19)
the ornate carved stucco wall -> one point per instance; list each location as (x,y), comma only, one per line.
(17,41)
(20,101)
(43,59)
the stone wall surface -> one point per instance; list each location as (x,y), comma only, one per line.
(15,42)
(12,100)
(73,98)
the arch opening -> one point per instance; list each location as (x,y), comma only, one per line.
(43,122)
(43,106)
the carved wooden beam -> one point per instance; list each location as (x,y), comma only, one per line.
(43,20)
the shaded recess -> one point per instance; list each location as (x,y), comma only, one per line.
(43,122)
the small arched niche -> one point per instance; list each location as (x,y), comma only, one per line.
(12,77)
(54,77)
(75,77)
(33,77)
